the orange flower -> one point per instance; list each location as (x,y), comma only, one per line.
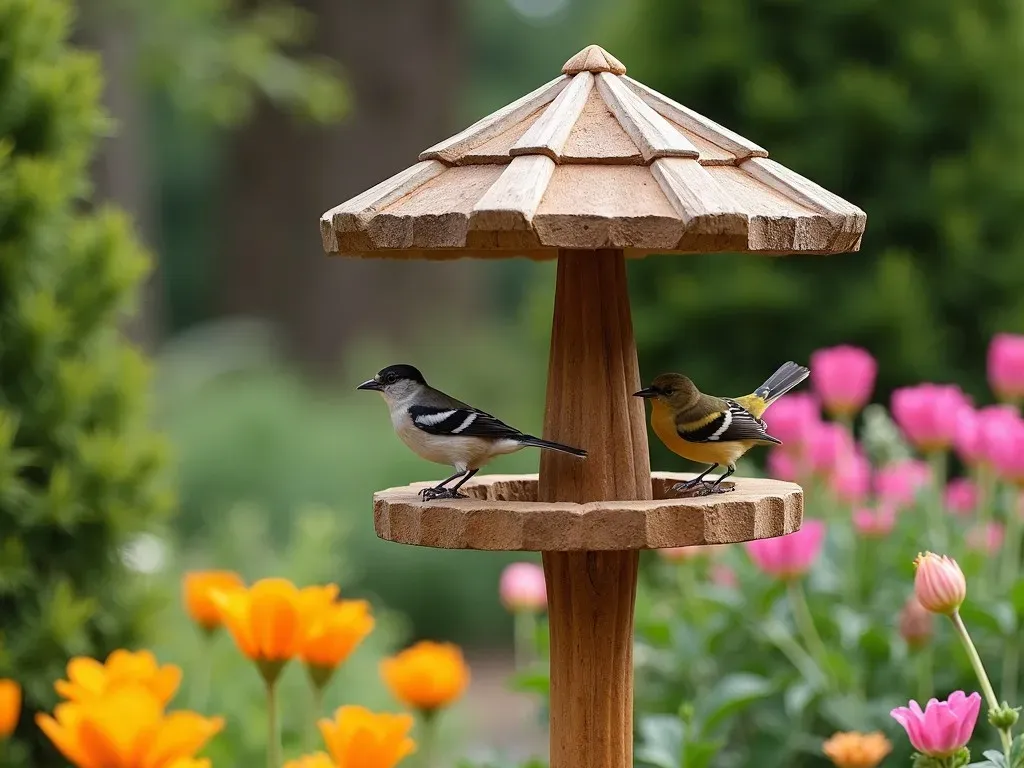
(426,676)
(127,728)
(268,620)
(317,760)
(88,679)
(358,737)
(10,707)
(857,750)
(199,589)
(332,634)
(191,762)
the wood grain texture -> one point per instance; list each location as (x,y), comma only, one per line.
(592,374)
(353,214)
(548,134)
(450,150)
(653,134)
(496,150)
(512,200)
(593,58)
(597,137)
(606,206)
(696,122)
(698,200)
(503,514)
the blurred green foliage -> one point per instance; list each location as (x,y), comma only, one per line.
(80,469)
(249,432)
(913,111)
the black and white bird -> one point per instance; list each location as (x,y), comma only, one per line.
(444,430)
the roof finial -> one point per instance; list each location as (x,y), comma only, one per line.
(593,58)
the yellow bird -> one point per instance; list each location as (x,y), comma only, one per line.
(714,430)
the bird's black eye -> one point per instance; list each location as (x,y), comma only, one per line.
(391,378)
(667,390)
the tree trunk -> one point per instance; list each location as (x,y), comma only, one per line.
(400,62)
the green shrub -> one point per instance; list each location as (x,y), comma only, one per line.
(79,467)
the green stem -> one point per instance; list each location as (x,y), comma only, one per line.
(979,670)
(428,740)
(925,685)
(805,625)
(936,507)
(793,651)
(525,637)
(317,705)
(985,482)
(202,678)
(1011,542)
(273,728)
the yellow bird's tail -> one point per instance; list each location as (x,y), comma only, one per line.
(779,383)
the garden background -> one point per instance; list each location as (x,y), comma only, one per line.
(235,125)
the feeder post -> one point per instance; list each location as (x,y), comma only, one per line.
(592,375)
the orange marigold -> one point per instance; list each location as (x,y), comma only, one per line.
(127,728)
(332,634)
(199,589)
(10,707)
(358,737)
(316,760)
(89,679)
(857,750)
(426,676)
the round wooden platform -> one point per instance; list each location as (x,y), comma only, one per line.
(502,514)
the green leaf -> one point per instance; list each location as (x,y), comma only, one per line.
(699,754)
(730,696)
(1017,752)
(531,681)
(994,617)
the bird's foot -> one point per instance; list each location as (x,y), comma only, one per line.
(711,489)
(429,494)
(691,485)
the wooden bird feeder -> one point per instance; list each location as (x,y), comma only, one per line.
(591,168)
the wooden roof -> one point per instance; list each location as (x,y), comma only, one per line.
(592,159)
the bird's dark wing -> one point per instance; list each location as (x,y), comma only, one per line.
(732,422)
(462,420)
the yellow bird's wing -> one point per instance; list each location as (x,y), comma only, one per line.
(733,422)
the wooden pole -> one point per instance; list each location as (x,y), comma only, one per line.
(592,374)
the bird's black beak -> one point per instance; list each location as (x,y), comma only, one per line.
(646,394)
(372,384)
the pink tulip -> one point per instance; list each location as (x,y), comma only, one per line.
(939,584)
(944,727)
(899,483)
(790,556)
(522,587)
(874,523)
(843,377)
(828,445)
(851,482)
(1005,448)
(1006,366)
(784,465)
(987,539)
(724,576)
(978,432)
(961,496)
(792,418)
(928,414)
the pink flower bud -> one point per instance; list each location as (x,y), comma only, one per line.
(987,539)
(1006,366)
(724,576)
(874,523)
(843,377)
(828,445)
(916,623)
(522,587)
(851,481)
(899,483)
(792,419)
(939,584)
(790,556)
(928,414)
(944,727)
(784,464)
(961,496)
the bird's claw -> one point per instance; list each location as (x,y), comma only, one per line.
(710,490)
(429,494)
(690,485)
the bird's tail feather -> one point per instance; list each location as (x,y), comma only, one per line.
(779,383)
(538,443)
